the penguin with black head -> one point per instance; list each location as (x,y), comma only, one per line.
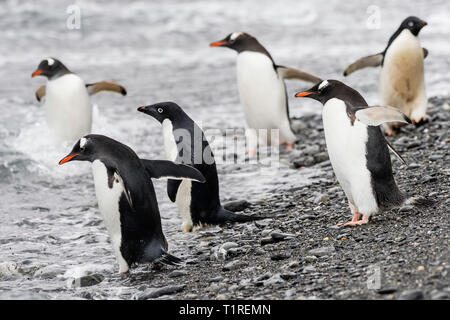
(126,197)
(261,88)
(185,142)
(68,110)
(402,82)
(358,150)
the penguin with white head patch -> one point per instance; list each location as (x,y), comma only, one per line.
(402,81)
(261,88)
(358,150)
(68,110)
(126,197)
(185,142)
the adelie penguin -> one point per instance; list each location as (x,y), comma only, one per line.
(126,197)
(402,83)
(185,142)
(262,90)
(358,149)
(68,109)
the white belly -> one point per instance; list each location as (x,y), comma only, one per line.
(68,108)
(263,94)
(346,146)
(108,204)
(402,75)
(170,146)
(183,201)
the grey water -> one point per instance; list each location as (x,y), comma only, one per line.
(50,228)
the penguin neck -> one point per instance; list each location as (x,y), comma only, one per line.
(58,74)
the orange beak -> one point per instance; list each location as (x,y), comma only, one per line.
(68,158)
(36,73)
(303,94)
(218,44)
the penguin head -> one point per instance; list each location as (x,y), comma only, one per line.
(238,41)
(162,111)
(84,150)
(413,24)
(322,91)
(50,68)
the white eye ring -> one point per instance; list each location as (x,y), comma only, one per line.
(410,23)
(160,110)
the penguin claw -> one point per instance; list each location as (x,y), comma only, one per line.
(188,229)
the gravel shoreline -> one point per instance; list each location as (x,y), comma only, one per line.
(300,253)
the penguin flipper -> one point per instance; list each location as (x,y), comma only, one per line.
(40,93)
(292,73)
(96,87)
(159,169)
(374,60)
(376,115)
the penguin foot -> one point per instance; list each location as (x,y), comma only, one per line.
(355,221)
(420,121)
(187,229)
(126,272)
(289,146)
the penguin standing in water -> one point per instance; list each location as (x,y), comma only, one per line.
(402,82)
(126,197)
(68,109)
(261,89)
(358,149)
(185,142)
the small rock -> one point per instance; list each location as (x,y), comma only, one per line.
(406,208)
(177,273)
(279,257)
(307,216)
(48,272)
(320,198)
(88,281)
(155,293)
(238,205)
(310,259)
(233,265)
(414,294)
(322,251)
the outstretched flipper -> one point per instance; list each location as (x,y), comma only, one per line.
(40,93)
(376,115)
(374,60)
(160,169)
(292,73)
(96,87)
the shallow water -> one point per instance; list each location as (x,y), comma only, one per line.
(159,51)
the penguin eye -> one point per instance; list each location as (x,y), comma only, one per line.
(410,23)
(160,110)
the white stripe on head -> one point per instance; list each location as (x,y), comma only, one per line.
(323,84)
(235,35)
(83,142)
(50,61)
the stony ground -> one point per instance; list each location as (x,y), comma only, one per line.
(301,254)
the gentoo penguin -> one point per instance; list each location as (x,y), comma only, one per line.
(185,142)
(126,198)
(402,83)
(358,149)
(68,110)
(261,88)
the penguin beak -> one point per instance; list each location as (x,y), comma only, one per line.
(142,109)
(37,73)
(423,23)
(68,158)
(218,44)
(303,94)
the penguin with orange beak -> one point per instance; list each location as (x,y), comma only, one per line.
(358,150)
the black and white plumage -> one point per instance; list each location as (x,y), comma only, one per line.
(261,88)
(402,82)
(185,142)
(68,110)
(358,149)
(126,197)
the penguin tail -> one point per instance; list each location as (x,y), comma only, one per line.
(169,259)
(223,215)
(420,202)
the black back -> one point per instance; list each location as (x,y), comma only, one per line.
(142,236)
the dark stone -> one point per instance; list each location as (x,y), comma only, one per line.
(155,293)
(238,205)
(414,294)
(87,281)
